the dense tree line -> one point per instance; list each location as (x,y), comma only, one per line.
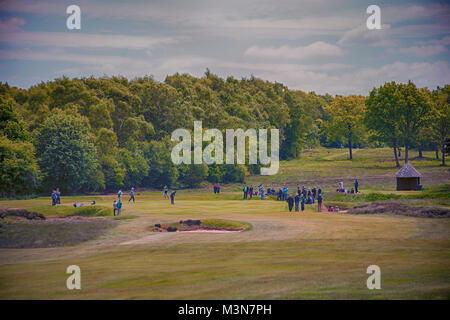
(97,134)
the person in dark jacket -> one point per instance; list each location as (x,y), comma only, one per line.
(314,194)
(319,202)
(172,197)
(297,201)
(290,202)
(356,185)
(279,194)
(58,196)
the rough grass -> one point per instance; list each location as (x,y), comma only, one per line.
(51,233)
(401,209)
(67,211)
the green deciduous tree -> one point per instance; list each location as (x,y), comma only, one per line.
(162,171)
(346,120)
(66,154)
(382,115)
(18,169)
(440,121)
(414,107)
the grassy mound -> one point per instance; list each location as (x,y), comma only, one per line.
(22,213)
(53,232)
(401,209)
(68,211)
(208,224)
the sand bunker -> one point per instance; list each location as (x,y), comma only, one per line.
(210,230)
(208,225)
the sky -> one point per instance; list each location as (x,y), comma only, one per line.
(312,45)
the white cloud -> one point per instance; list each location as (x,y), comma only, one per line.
(315,49)
(83,40)
(420,51)
(361,35)
(10,25)
(355,81)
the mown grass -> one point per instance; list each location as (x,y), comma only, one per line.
(283,256)
(319,269)
(225,224)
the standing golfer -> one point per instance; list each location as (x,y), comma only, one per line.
(290,202)
(119,207)
(58,196)
(319,202)
(172,197)
(297,201)
(356,185)
(131,195)
(114,207)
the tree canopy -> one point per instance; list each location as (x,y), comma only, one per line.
(97,134)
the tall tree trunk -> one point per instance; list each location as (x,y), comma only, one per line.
(406,152)
(443,155)
(349,126)
(350,148)
(420,152)
(397,164)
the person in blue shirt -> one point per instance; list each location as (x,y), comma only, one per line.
(114,207)
(131,195)
(285,190)
(54,199)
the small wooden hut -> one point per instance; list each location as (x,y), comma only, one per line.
(408,178)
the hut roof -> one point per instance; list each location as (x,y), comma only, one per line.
(408,171)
